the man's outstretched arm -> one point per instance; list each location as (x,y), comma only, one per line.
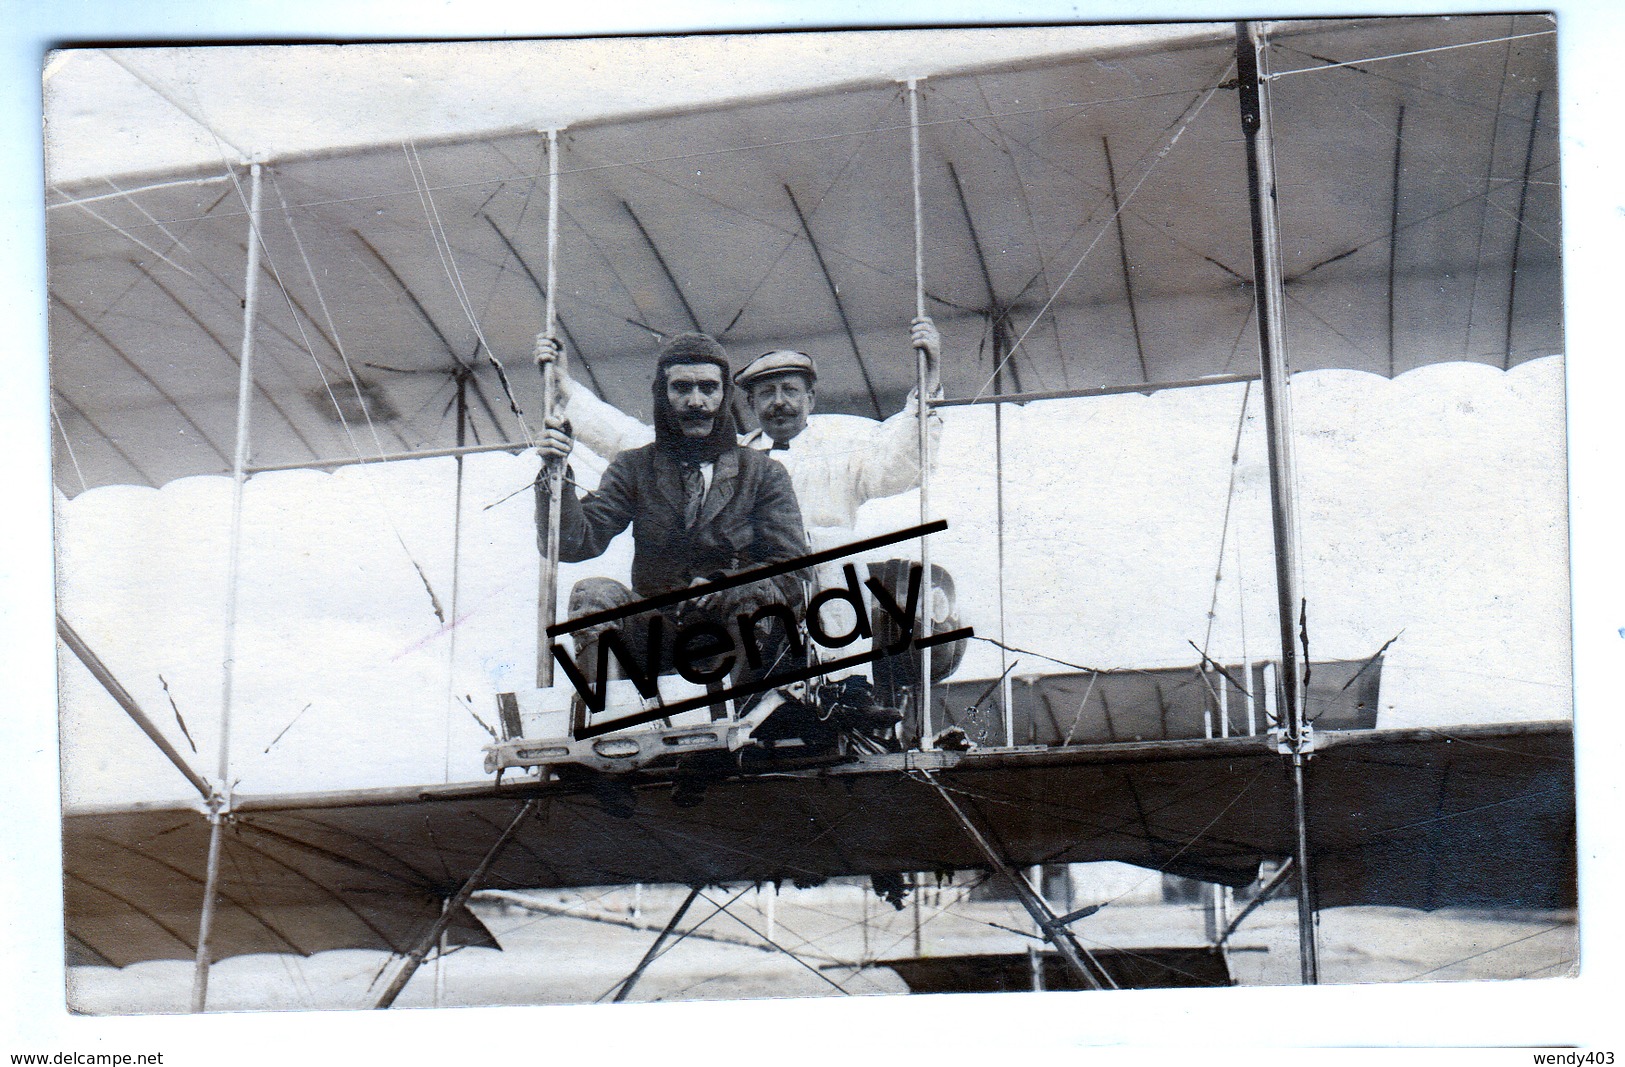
(891,462)
(586,526)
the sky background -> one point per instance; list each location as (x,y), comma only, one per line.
(1593,225)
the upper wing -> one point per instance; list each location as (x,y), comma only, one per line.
(1087,212)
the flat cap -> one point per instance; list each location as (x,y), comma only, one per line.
(782,362)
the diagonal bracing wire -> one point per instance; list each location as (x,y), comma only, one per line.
(68,443)
(1404,55)
(321,372)
(1492,948)
(716,909)
(1224,527)
(454,276)
(727,908)
(1160,155)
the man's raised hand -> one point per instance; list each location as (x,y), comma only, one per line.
(923,335)
(549,350)
(554,442)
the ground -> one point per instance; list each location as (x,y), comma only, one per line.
(832,929)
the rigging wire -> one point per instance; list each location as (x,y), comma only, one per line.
(1424,147)
(942,911)
(727,908)
(355,384)
(1064,663)
(452,628)
(333,331)
(248,882)
(1149,170)
(175,242)
(67,441)
(792,236)
(1409,226)
(1077,719)
(1254,706)
(1224,527)
(1026,804)
(1492,948)
(1042,276)
(1403,55)
(717,909)
(220,301)
(72,201)
(454,275)
(138,242)
(998,312)
(1409,86)
(1078,105)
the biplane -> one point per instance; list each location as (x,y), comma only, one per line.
(1128,242)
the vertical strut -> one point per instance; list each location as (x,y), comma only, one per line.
(1267,293)
(220,798)
(923,626)
(462,378)
(547,597)
(1006,690)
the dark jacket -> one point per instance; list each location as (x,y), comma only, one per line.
(749,518)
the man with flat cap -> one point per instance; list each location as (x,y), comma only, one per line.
(701,507)
(836,462)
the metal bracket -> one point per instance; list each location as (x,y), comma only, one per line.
(1306,741)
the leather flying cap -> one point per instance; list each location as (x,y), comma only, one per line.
(781,362)
(693,348)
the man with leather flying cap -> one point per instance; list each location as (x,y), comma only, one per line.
(701,507)
(836,462)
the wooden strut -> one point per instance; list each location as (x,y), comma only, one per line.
(455,904)
(220,798)
(547,600)
(654,950)
(922,416)
(1277,880)
(1077,958)
(1268,293)
(997,317)
(122,697)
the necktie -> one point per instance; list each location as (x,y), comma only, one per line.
(693,493)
